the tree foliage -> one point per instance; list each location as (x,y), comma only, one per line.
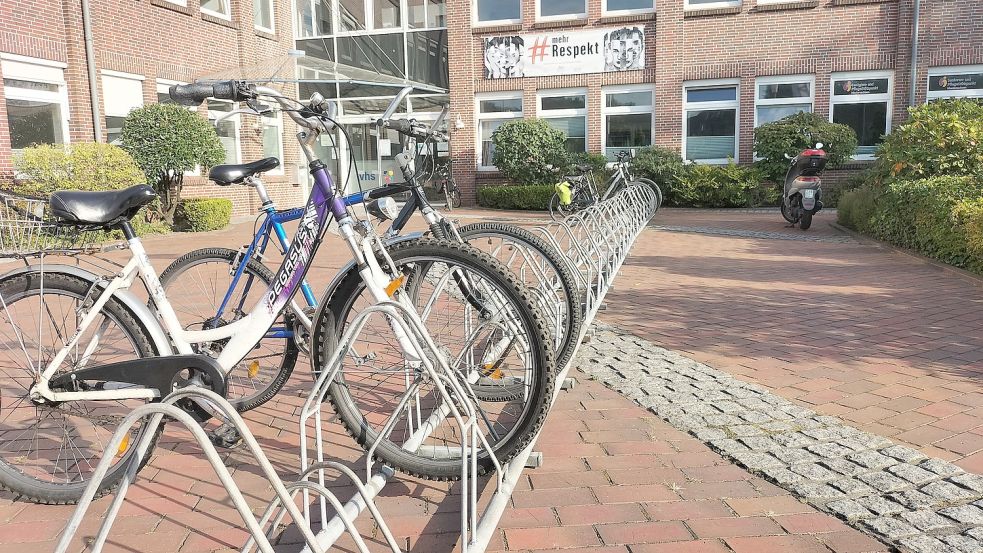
(166,140)
(528,151)
(940,138)
(789,136)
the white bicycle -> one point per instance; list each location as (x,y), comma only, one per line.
(80,351)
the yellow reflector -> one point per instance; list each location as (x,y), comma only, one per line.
(123,446)
(253,369)
(493,372)
(395,285)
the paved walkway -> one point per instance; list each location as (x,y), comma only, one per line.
(617,478)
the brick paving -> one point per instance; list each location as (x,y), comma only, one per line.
(889,343)
(616,478)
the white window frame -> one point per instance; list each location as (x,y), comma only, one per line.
(888,97)
(783,79)
(37,70)
(235,120)
(275,121)
(729,104)
(624,110)
(605,12)
(480,117)
(712,5)
(225,16)
(109,111)
(560,17)
(934,72)
(272,28)
(475,22)
(564,113)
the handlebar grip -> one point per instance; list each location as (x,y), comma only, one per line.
(190,94)
(226,90)
(400,125)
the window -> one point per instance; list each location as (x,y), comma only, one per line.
(566,110)
(549,10)
(227,129)
(313,18)
(121,93)
(863,102)
(426,14)
(493,110)
(955,82)
(779,97)
(271,128)
(37,101)
(426,57)
(627,7)
(708,4)
(710,121)
(263,15)
(627,114)
(492,12)
(217,8)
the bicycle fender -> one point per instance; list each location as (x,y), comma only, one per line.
(139,309)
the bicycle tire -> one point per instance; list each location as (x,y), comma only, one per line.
(571,289)
(452,194)
(285,367)
(17,287)
(329,324)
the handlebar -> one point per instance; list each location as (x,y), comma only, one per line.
(195,93)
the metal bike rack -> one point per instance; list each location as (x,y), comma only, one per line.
(594,242)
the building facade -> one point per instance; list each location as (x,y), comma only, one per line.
(694,75)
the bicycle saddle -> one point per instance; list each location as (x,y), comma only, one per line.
(583,168)
(224,175)
(99,208)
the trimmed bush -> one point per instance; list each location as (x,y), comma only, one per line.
(940,138)
(166,140)
(533,198)
(938,217)
(728,185)
(89,166)
(203,214)
(773,141)
(528,150)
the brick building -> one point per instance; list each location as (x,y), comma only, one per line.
(694,75)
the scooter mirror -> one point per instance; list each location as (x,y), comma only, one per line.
(819,145)
(787,156)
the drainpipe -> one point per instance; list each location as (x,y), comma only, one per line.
(90,61)
(914,54)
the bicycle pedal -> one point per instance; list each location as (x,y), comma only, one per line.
(226,437)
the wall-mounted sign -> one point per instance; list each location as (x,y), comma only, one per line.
(565,53)
(860,87)
(965,81)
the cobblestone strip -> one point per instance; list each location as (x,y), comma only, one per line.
(895,493)
(803,237)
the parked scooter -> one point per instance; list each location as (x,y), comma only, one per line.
(803,192)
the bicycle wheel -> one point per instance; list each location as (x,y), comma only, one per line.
(49,451)
(196,284)
(452,194)
(558,211)
(501,343)
(541,268)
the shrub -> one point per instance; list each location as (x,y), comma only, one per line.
(46,168)
(597,162)
(940,138)
(969,214)
(729,185)
(166,140)
(789,136)
(663,166)
(203,214)
(532,197)
(856,208)
(528,150)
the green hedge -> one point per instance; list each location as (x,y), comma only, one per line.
(939,217)
(534,197)
(203,214)
(728,185)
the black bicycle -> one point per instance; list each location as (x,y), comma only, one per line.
(443,181)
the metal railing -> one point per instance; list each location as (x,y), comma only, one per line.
(594,243)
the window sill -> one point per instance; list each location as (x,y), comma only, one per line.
(791,5)
(627,18)
(506,28)
(265,34)
(218,21)
(709,12)
(172,6)
(854,2)
(573,22)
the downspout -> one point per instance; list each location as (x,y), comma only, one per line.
(914,54)
(90,61)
